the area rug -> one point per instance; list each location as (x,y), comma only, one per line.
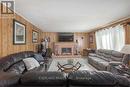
(84,63)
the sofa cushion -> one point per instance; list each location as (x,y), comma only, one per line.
(43,78)
(92,54)
(97,59)
(99,56)
(31,63)
(107,53)
(99,52)
(17,68)
(91,78)
(115,63)
(8,79)
(105,58)
(99,63)
(117,56)
(38,57)
(103,65)
(123,81)
(7,61)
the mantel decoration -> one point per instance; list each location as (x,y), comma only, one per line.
(19,33)
(35,36)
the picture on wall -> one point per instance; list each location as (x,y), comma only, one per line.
(91,38)
(35,37)
(19,31)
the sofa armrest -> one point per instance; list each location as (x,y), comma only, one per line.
(122,81)
(115,63)
(8,79)
(92,54)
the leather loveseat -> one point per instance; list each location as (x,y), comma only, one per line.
(102,59)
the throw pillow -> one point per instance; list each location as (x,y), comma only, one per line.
(31,63)
(38,57)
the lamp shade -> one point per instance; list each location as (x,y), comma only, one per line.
(126,49)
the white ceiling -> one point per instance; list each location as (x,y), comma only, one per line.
(72,15)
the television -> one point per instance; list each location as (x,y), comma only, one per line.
(65,37)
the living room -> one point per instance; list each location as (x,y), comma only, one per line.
(64,43)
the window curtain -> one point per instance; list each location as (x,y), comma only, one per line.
(112,38)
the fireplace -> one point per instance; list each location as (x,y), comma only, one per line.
(66,51)
(64,48)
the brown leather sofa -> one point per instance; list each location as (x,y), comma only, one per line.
(102,59)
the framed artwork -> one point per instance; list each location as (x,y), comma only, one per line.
(19,33)
(35,36)
(91,38)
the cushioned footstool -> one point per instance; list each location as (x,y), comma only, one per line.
(44,79)
(9,79)
(92,79)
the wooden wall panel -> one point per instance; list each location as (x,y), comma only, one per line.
(92,43)
(82,40)
(0,38)
(127,30)
(10,35)
(53,38)
(80,36)
(6,36)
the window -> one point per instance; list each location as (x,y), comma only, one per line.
(112,38)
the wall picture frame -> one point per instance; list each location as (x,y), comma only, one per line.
(19,33)
(91,38)
(34,36)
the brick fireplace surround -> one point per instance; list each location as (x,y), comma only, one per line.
(65,49)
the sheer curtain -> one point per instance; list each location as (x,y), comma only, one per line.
(111,38)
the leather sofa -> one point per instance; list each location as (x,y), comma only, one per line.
(102,59)
(14,63)
(59,79)
(13,73)
(96,79)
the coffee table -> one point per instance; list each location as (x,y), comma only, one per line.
(67,68)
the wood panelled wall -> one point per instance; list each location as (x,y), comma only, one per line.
(53,38)
(81,37)
(82,40)
(125,23)
(127,28)
(92,43)
(6,35)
